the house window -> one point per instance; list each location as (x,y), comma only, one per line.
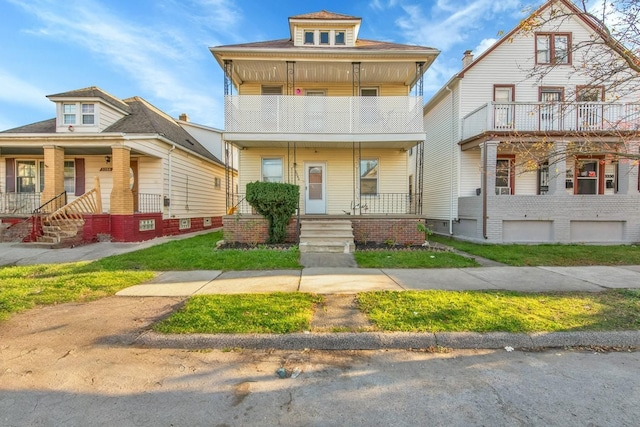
(324,37)
(69,112)
(505,176)
(88,114)
(272,170)
(69,176)
(272,90)
(543,178)
(369,91)
(340,39)
(26,176)
(217,182)
(553,48)
(503,96)
(589,109)
(309,37)
(588,177)
(185,223)
(369,176)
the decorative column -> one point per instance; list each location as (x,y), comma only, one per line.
(121,195)
(558,169)
(53,172)
(628,171)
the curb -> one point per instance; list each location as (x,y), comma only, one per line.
(395,340)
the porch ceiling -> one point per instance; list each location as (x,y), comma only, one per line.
(275,71)
(321,141)
(32,150)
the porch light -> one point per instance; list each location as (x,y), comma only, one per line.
(107,159)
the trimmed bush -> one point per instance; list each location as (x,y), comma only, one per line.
(275,201)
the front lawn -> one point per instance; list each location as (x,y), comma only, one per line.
(491,311)
(411,259)
(276,313)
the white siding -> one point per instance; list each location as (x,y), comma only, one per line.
(392,178)
(107,116)
(441,159)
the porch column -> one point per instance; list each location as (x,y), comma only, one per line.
(121,195)
(489,157)
(628,171)
(53,172)
(558,169)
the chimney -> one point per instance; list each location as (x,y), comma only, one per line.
(467,58)
(184,117)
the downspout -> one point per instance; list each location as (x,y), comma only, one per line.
(170,176)
(484,192)
(453,123)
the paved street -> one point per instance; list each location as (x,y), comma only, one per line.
(372,388)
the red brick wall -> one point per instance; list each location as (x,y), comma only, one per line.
(252,229)
(94,225)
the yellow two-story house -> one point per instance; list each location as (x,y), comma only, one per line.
(332,113)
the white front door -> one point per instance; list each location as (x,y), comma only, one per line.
(315,201)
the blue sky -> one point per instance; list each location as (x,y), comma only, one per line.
(158,49)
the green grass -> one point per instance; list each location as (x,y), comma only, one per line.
(411,259)
(448,311)
(200,253)
(551,255)
(25,287)
(277,313)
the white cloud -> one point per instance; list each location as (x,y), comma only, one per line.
(159,58)
(17,91)
(484,45)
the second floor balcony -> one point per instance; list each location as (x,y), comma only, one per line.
(397,117)
(536,117)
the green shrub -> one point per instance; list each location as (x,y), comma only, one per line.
(276,202)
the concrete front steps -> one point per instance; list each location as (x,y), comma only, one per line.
(60,232)
(326,236)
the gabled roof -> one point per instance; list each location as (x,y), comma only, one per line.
(325,15)
(45,126)
(567,3)
(147,119)
(361,44)
(92,92)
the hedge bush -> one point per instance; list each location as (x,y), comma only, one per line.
(275,201)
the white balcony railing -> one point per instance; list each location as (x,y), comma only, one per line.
(557,116)
(323,114)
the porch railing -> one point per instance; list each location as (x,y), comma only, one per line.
(323,114)
(381,203)
(19,204)
(149,203)
(556,116)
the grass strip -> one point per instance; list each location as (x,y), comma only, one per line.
(491,311)
(411,259)
(200,253)
(24,287)
(275,313)
(551,255)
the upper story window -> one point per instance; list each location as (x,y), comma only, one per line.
(340,38)
(324,37)
(78,113)
(553,48)
(309,37)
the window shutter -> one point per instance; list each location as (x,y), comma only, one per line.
(10,183)
(79,176)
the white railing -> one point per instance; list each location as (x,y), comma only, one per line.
(557,116)
(323,114)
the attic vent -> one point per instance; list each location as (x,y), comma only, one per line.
(189,141)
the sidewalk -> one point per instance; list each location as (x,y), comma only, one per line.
(347,281)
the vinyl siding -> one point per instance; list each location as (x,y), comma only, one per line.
(393,173)
(107,116)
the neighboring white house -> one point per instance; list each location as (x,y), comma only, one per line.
(155,175)
(479,183)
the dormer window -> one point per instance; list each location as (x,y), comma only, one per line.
(340,38)
(324,37)
(69,114)
(78,114)
(309,37)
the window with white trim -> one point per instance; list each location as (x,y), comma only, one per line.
(340,38)
(79,114)
(504,176)
(324,37)
(369,176)
(309,37)
(272,169)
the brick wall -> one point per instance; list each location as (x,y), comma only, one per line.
(252,229)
